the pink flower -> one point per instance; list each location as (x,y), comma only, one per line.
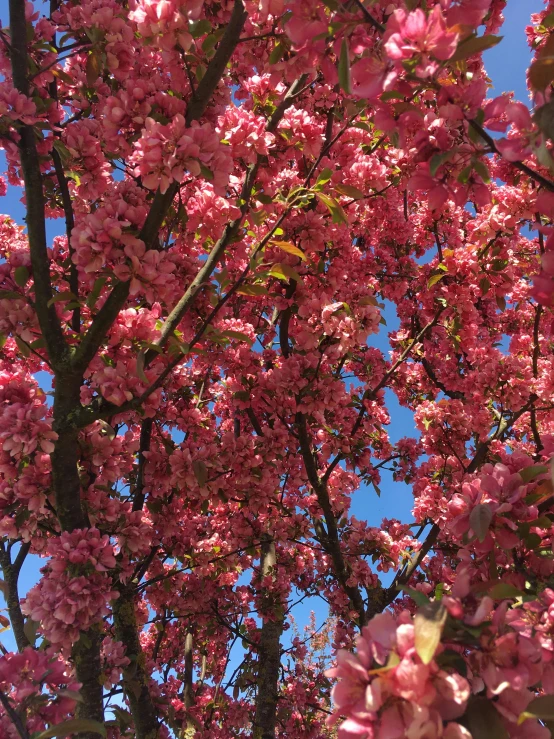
(413,33)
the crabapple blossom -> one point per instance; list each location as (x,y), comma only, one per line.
(200,397)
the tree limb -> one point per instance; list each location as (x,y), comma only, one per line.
(149,232)
(36,224)
(11,576)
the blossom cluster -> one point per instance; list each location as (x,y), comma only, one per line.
(75,589)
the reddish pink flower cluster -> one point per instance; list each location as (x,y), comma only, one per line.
(248,190)
(165,152)
(75,590)
(41,686)
(389,697)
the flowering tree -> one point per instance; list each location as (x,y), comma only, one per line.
(242,184)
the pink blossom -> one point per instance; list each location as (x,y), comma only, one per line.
(413,33)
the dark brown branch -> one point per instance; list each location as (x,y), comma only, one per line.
(539,446)
(162,202)
(547,184)
(372,394)
(230,230)
(69,219)
(456,394)
(85,655)
(254,421)
(34,195)
(144,446)
(285,321)
(14,716)
(404,576)
(369,18)
(329,539)
(11,576)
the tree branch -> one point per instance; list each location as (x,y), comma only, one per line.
(369,18)
(14,716)
(34,196)
(161,203)
(329,539)
(547,184)
(144,446)
(371,394)
(11,576)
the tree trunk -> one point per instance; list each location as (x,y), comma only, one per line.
(269,651)
(135,677)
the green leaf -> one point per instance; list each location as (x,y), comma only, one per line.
(501,303)
(452,659)
(284,272)
(21,275)
(435,278)
(73,726)
(252,290)
(140,367)
(62,297)
(497,265)
(75,695)
(22,346)
(417,596)
(206,173)
(480,519)
(529,473)
(63,151)
(289,248)
(74,176)
(464,175)
(344,68)
(541,707)
(237,335)
(349,191)
(429,622)
(263,198)
(200,472)
(96,290)
(200,28)
(392,95)
(483,720)
(337,213)
(474,45)
(323,178)
(541,71)
(482,170)
(30,628)
(484,284)
(438,159)
(92,69)
(11,295)
(503,590)
(277,53)
(209,43)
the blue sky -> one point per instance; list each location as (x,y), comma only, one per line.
(506,65)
